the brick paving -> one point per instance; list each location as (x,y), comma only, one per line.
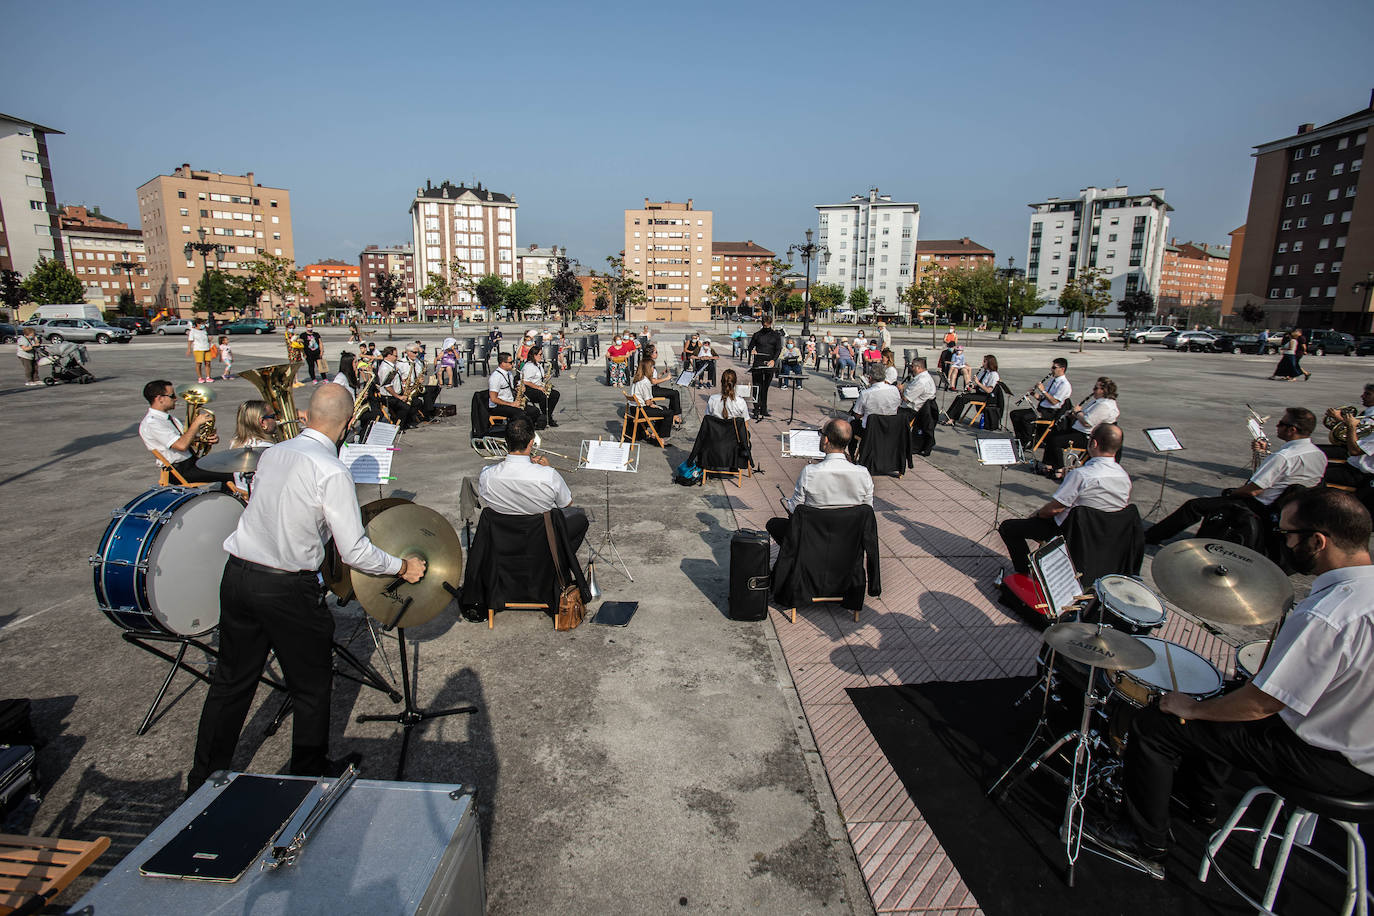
(936,620)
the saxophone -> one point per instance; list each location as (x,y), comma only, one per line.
(520,395)
(413,385)
(364,396)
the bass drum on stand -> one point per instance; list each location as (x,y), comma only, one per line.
(161,559)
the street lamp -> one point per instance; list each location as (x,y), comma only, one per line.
(1010,274)
(128,267)
(808,252)
(205,248)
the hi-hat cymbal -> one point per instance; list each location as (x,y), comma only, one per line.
(404,531)
(335,572)
(1221,582)
(232,460)
(1109,649)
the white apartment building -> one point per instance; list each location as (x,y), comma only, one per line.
(534,263)
(1121,233)
(29,227)
(668,249)
(872,243)
(475,226)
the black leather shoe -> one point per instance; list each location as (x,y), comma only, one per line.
(553,422)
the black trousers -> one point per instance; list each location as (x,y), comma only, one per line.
(1194,511)
(547,403)
(1018,532)
(427,399)
(1023,422)
(263,612)
(576,522)
(403,414)
(923,432)
(778,526)
(1160,744)
(1057,442)
(310,364)
(189,470)
(530,412)
(957,407)
(673,396)
(763,379)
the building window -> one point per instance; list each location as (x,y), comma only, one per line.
(1350,191)
(1335,267)
(1319,268)
(36,205)
(1298,153)
(1315,291)
(1283,247)
(1274,293)
(1292,270)
(1316,148)
(1331,292)
(1328,219)
(181,194)
(185,230)
(1333,193)
(1278,270)
(1288,292)
(1290,201)
(1338,169)
(1307,198)
(1286,225)
(26,156)
(1302,222)
(1297,246)
(1355,164)
(1295,178)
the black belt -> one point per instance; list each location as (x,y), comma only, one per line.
(270,570)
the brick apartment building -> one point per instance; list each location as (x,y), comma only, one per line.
(667,246)
(107,256)
(741,265)
(396,259)
(330,279)
(962,253)
(473,226)
(1192,275)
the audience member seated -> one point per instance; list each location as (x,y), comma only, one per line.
(957,372)
(1100,408)
(618,361)
(981,389)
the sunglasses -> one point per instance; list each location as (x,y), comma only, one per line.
(1298,531)
(1282,423)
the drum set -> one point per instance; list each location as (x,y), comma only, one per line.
(1100,649)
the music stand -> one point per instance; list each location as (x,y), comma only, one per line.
(686,381)
(1000,452)
(600,455)
(797,443)
(1164,440)
(795,383)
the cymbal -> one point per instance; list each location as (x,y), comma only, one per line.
(335,572)
(1221,582)
(1109,649)
(232,460)
(411,530)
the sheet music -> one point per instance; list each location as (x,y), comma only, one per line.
(1059,578)
(608,456)
(1164,440)
(382,434)
(685,379)
(804,443)
(849,392)
(368,463)
(996,451)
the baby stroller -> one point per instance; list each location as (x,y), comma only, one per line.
(65,361)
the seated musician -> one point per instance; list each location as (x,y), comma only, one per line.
(1100,408)
(890,373)
(918,397)
(642,390)
(980,390)
(879,397)
(525,485)
(833,482)
(1307,717)
(413,369)
(501,387)
(1298,462)
(391,384)
(728,405)
(1100,483)
(255,426)
(1357,470)
(1051,399)
(163,433)
(538,391)
(661,388)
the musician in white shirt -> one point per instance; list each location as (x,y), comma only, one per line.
(1100,408)
(391,377)
(727,404)
(919,398)
(980,390)
(831,483)
(642,390)
(1052,399)
(163,433)
(525,485)
(536,389)
(501,387)
(270,594)
(1357,470)
(879,397)
(1099,484)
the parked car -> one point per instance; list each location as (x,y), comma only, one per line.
(137,325)
(1364,346)
(1154,334)
(8,333)
(1090,335)
(1323,341)
(1210,342)
(249,326)
(172,326)
(81,329)
(1249,343)
(1188,340)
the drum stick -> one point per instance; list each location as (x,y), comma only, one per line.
(1173,678)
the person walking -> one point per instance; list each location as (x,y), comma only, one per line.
(198,347)
(27,350)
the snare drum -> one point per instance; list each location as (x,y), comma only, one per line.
(161,560)
(1250,658)
(1197,677)
(1138,609)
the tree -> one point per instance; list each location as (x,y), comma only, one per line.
(355,297)
(720,296)
(772,293)
(12,294)
(858,298)
(793,304)
(1025,300)
(438,290)
(565,292)
(519,296)
(1252,313)
(491,289)
(213,295)
(390,289)
(620,290)
(1087,294)
(923,295)
(276,276)
(51,283)
(247,289)
(826,297)
(127,304)
(1134,307)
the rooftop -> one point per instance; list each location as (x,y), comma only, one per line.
(964,245)
(450,191)
(735,249)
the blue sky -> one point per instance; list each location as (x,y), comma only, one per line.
(757,111)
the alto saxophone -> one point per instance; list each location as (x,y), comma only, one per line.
(364,396)
(520,395)
(412,386)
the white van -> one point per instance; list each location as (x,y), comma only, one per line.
(72,310)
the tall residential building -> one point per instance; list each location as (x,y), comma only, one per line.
(107,256)
(235,212)
(29,227)
(1307,239)
(396,259)
(872,243)
(667,247)
(533,264)
(1192,275)
(474,226)
(330,279)
(1120,233)
(951,254)
(740,264)
(1228,294)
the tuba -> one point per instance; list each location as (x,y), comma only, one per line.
(275,384)
(1340,431)
(196,397)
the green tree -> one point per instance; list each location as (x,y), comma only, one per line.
(772,293)
(355,297)
(1252,314)
(213,295)
(276,276)
(720,296)
(438,290)
(620,290)
(12,294)
(923,295)
(519,296)
(491,289)
(858,298)
(827,297)
(793,304)
(1088,294)
(127,304)
(566,291)
(51,283)
(390,288)
(1134,307)
(1025,300)
(248,290)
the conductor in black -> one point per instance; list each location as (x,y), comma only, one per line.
(764,348)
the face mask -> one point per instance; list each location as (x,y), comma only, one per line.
(1302,558)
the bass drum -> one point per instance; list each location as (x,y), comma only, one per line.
(161,559)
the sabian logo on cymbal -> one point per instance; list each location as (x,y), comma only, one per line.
(1095,648)
(1224,551)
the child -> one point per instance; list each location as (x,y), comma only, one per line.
(226,356)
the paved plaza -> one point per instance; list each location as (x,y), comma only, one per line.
(684,763)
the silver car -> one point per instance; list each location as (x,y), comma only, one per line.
(82,329)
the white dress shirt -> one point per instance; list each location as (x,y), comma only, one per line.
(389,377)
(533,372)
(1364,462)
(1099,484)
(920,389)
(502,384)
(1299,461)
(735,408)
(879,398)
(1320,662)
(643,392)
(158,430)
(988,379)
(518,486)
(341,379)
(1097,410)
(303,495)
(832,483)
(1059,389)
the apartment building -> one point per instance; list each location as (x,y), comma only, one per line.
(473,226)
(534,263)
(1193,274)
(1120,233)
(107,256)
(29,227)
(396,259)
(667,248)
(949,254)
(233,212)
(872,243)
(740,264)
(330,279)
(1309,245)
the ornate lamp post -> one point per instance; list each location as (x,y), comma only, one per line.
(128,267)
(808,252)
(206,249)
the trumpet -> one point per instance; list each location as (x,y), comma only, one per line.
(1255,426)
(1030,394)
(537,448)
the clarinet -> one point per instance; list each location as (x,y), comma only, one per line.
(1030,394)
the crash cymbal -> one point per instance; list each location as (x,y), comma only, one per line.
(1109,649)
(403,531)
(335,572)
(232,460)
(1221,582)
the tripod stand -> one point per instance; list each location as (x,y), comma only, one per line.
(608,540)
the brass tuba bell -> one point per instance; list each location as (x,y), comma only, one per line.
(275,383)
(196,396)
(1338,428)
